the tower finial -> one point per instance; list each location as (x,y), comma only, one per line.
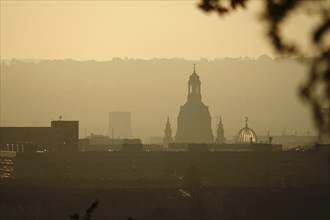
(246,120)
(194,68)
(168,119)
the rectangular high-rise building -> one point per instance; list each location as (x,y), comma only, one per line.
(120,125)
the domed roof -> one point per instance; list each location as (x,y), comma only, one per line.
(246,135)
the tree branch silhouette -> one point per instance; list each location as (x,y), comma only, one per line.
(89,211)
(316,90)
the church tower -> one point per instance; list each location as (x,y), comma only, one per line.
(220,139)
(194,119)
(194,87)
(168,134)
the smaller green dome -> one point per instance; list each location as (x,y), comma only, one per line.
(246,135)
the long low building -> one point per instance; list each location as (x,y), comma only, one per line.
(215,168)
(60,136)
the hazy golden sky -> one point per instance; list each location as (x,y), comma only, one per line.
(136,29)
(141,29)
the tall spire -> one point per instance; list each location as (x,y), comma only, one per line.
(167,133)
(220,139)
(194,68)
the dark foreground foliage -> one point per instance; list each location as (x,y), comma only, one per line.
(89,211)
(316,90)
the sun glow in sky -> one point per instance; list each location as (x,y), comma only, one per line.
(135,29)
(103,30)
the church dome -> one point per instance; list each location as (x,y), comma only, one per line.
(194,119)
(246,135)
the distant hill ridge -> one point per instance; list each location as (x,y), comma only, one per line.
(265,89)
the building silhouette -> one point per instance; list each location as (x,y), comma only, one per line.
(194,119)
(61,136)
(220,139)
(168,134)
(120,125)
(70,133)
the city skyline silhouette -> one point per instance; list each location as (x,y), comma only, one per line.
(205,109)
(108,88)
